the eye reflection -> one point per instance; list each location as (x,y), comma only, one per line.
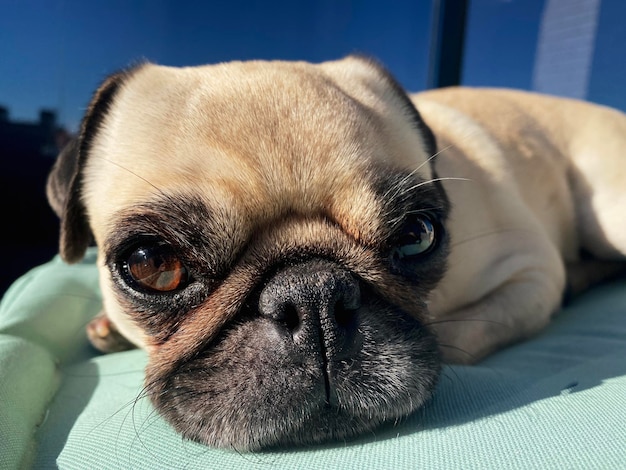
(156,268)
(418,237)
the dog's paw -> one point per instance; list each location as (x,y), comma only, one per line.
(105,337)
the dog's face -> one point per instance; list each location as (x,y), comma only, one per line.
(269,232)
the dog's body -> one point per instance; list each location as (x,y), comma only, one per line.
(546,181)
(272,234)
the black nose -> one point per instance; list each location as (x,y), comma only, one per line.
(317,303)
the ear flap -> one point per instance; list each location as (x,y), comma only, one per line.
(65,180)
(63,197)
(60,177)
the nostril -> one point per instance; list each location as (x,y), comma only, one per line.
(344,316)
(347,305)
(290,318)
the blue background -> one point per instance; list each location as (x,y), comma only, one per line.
(54,53)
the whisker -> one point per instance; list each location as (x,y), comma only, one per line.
(160,191)
(400,218)
(453,371)
(93,298)
(434,180)
(459,320)
(449,346)
(138,436)
(432,157)
(411,174)
(127,406)
(174,201)
(96,375)
(490,233)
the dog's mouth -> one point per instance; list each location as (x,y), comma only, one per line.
(324,358)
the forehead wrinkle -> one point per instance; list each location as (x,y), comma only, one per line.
(282,140)
(298,148)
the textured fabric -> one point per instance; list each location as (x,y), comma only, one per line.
(27,382)
(556,401)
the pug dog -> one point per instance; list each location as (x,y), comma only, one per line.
(299,247)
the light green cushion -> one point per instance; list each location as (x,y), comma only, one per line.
(556,401)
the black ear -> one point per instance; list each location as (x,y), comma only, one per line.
(65,180)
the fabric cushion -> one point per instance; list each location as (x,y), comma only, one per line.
(555,401)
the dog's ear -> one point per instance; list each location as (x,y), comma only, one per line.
(60,176)
(65,180)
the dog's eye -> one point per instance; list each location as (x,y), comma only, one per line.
(418,237)
(156,268)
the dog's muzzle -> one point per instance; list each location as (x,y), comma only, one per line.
(314,355)
(314,306)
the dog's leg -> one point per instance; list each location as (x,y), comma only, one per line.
(598,177)
(512,312)
(602,216)
(105,337)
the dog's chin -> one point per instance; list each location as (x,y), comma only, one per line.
(255,387)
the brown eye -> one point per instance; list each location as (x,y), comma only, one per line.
(156,268)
